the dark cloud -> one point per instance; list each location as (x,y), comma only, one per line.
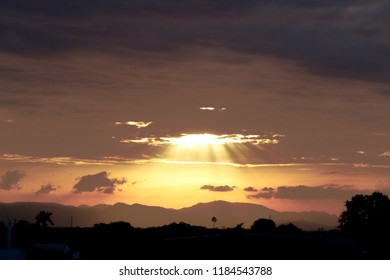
(88,8)
(337,38)
(250,189)
(309,193)
(11,179)
(46,189)
(218,188)
(46,27)
(98,182)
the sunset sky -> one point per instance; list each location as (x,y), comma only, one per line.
(170,103)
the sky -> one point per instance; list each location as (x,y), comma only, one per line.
(171,103)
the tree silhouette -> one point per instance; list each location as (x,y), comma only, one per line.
(366,215)
(213,220)
(43,218)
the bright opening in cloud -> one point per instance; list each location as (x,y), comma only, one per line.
(191,140)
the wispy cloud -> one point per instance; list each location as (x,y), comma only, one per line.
(385,154)
(222,163)
(98,182)
(58,160)
(151,141)
(210,108)
(134,123)
(316,158)
(124,160)
(218,188)
(361,165)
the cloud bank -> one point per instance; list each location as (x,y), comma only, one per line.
(134,123)
(336,38)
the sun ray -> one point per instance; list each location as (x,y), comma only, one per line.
(207,147)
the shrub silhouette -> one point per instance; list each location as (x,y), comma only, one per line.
(289,228)
(264,226)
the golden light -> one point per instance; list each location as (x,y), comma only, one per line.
(212,148)
(191,140)
(206,147)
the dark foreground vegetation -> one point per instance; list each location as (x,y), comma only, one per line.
(363,233)
(119,240)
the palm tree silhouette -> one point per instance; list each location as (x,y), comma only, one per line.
(43,218)
(214,220)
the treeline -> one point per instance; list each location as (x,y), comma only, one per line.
(120,240)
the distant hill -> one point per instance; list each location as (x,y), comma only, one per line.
(228,214)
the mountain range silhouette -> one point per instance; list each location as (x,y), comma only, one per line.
(229,214)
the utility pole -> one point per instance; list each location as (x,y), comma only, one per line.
(9,231)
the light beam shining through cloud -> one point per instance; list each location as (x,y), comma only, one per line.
(206,147)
